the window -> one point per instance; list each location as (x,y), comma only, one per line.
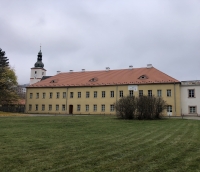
(57,95)
(191,93)
(63,107)
(159,93)
(131,93)
(50,107)
(64,95)
(95,94)
(30,108)
(169,108)
(103,94)
(43,107)
(95,108)
(87,94)
(37,95)
(150,93)
(31,95)
(57,107)
(43,95)
(192,109)
(87,108)
(111,93)
(36,107)
(42,73)
(120,93)
(112,108)
(35,72)
(168,93)
(140,93)
(51,95)
(71,94)
(79,94)
(78,107)
(103,108)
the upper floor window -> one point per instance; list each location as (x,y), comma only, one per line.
(140,93)
(57,95)
(95,94)
(159,93)
(103,94)
(79,94)
(50,95)
(87,94)
(37,95)
(169,94)
(191,93)
(64,95)
(31,95)
(71,94)
(43,95)
(150,93)
(120,93)
(131,93)
(112,94)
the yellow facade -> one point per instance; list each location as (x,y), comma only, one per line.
(95,103)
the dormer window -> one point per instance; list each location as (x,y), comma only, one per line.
(143,77)
(54,81)
(93,80)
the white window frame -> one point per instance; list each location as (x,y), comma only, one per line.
(169,93)
(64,95)
(43,107)
(159,93)
(50,107)
(78,107)
(103,107)
(30,107)
(169,108)
(50,95)
(37,95)
(112,94)
(36,107)
(31,95)
(43,95)
(95,108)
(87,108)
(57,95)
(192,109)
(150,94)
(140,93)
(87,94)
(79,94)
(95,94)
(71,95)
(112,108)
(131,93)
(121,93)
(191,93)
(63,108)
(57,107)
(103,94)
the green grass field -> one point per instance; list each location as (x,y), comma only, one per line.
(95,143)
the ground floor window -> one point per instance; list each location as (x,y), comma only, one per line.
(95,108)
(30,108)
(36,107)
(50,107)
(169,108)
(43,107)
(192,109)
(78,107)
(112,108)
(86,108)
(103,108)
(57,107)
(63,107)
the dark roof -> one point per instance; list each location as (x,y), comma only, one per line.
(45,77)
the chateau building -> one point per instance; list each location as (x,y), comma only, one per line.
(96,92)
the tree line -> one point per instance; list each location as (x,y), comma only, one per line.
(143,107)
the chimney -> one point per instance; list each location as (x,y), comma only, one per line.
(131,67)
(58,72)
(149,66)
(107,68)
(83,70)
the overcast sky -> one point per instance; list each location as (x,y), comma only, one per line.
(94,34)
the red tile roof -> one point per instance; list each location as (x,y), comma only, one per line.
(111,77)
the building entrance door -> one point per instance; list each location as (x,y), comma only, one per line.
(70,109)
(169,110)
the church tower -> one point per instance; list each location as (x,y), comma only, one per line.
(38,71)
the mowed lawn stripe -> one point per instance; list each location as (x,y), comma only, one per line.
(98,144)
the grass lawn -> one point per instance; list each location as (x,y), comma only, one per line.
(95,143)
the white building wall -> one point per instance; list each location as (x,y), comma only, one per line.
(36,75)
(187,101)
